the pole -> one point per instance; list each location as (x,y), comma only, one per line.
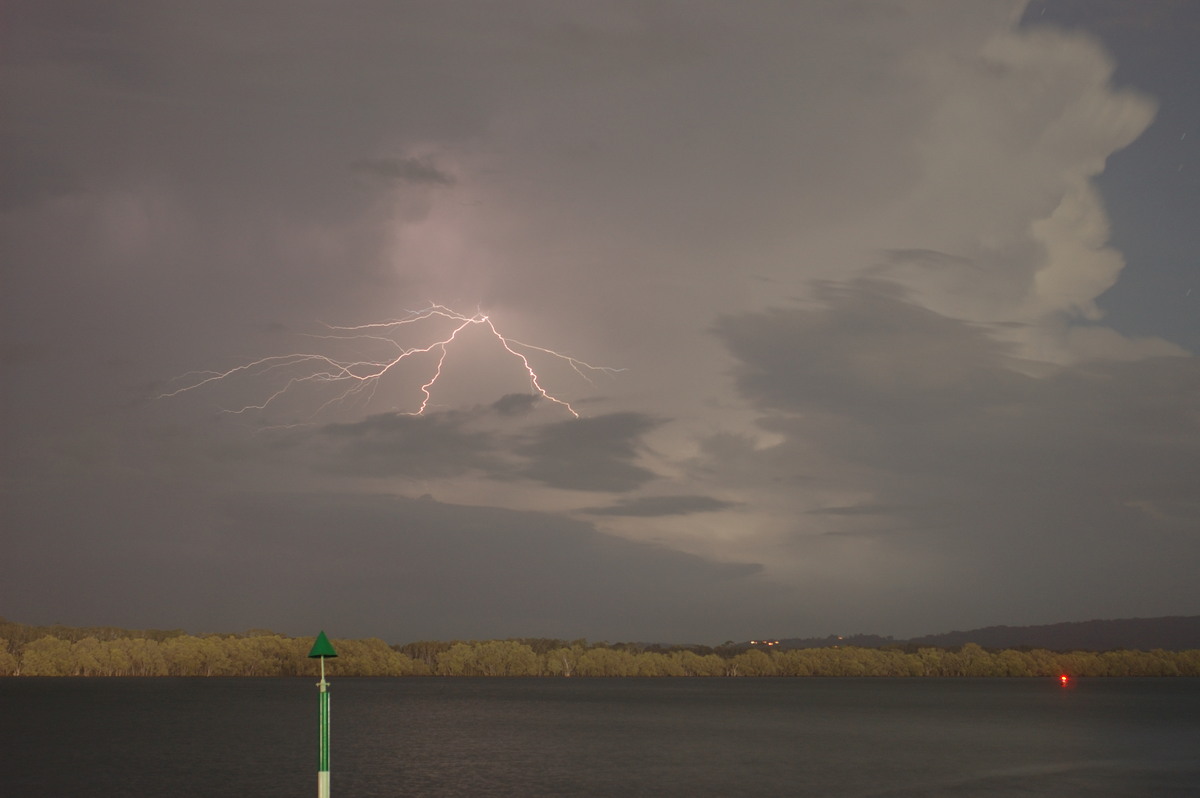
(322,649)
(323,763)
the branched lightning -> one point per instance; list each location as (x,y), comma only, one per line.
(359,378)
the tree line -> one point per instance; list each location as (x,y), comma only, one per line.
(106,651)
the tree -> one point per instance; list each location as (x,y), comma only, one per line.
(458,660)
(47,656)
(1012,663)
(8,661)
(506,658)
(652,663)
(425,651)
(563,661)
(754,662)
(8,664)
(606,662)
(791,663)
(88,656)
(974,661)
(932,661)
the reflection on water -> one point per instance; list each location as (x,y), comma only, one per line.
(599,737)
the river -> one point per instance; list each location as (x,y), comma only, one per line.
(430,737)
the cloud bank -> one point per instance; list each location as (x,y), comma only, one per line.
(849,257)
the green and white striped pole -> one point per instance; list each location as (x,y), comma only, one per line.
(322,648)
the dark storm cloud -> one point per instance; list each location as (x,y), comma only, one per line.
(935,390)
(390,444)
(595,454)
(656,506)
(1030,487)
(402,170)
(867,352)
(515,404)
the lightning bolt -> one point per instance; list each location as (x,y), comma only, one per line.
(359,378)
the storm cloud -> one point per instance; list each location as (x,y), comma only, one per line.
(629,321)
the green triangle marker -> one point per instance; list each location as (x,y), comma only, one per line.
(322,647)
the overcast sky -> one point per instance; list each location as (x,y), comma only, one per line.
(900,303)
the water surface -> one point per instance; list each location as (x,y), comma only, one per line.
(604,737)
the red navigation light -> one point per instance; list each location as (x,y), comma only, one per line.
(1064,679)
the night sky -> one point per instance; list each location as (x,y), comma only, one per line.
(900,302)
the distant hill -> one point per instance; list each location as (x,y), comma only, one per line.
(1176,633)
(1171,633)
(832,641)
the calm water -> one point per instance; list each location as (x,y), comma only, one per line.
(596,737)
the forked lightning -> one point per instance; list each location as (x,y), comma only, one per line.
(359,378)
